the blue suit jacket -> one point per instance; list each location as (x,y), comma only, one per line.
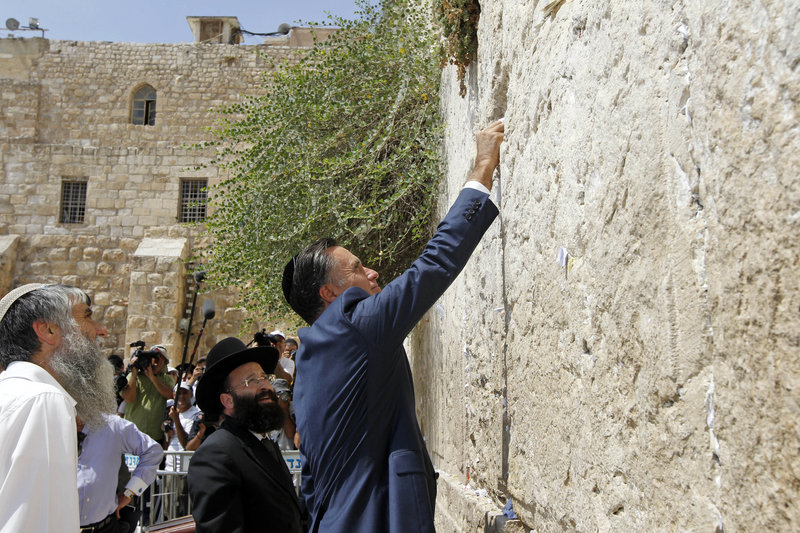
(365,466)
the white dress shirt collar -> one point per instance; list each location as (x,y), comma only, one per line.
(32,372)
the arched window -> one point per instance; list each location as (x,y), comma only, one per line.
(144,107)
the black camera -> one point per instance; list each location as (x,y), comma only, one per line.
(262,338)
(144,358)
(167,425)
(120,382)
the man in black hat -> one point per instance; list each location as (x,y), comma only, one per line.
(237,479)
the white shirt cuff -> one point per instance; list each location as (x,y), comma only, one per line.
(477,185)
(136,485)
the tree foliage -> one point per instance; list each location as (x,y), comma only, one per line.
(344,143)
(459,24)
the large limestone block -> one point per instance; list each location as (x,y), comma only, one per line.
(641,371)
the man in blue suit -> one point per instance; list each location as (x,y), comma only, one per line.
(365,465)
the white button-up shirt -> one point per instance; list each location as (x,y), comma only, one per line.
(38,452)
(98,466)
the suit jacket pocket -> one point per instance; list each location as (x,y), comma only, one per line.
(409,503)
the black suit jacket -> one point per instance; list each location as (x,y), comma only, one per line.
(238,486)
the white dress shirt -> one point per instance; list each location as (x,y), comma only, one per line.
(38,452)
(98,466)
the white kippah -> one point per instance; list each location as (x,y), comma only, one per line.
(15,295)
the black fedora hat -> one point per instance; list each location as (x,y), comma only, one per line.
(223,358)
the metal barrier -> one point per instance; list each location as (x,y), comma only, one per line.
(292,458)
(169,494)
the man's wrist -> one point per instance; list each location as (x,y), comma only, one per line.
(482,173)
(477,186)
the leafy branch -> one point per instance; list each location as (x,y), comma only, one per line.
(344,143)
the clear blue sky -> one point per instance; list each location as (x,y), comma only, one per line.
(160,21)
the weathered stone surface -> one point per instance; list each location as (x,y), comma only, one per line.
(8,258)
(101,298)
(651,382)
(144,263)
(138,278)
(113,256)
(164,293)
(58,254)
(234,314)
(91,254)
(136,322)
(105,269)
(116,312)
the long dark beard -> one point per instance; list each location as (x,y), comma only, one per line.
(86,375)
(255,417)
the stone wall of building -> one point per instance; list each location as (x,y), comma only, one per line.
(649,379)
(65,115)
(8,260)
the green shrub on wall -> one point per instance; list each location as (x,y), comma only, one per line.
(459,22)
(344,144)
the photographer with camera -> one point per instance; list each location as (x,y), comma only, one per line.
(182,416)
(262,338)
(146,398)
(284,437)
(197,373)
(204,425)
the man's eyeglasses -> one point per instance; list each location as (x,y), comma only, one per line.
(255,380)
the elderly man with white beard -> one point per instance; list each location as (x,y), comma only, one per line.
(53,372)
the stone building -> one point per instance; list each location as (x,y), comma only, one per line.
(99,174)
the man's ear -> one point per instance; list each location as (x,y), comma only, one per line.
(227,400)
(47,332)
(328,293)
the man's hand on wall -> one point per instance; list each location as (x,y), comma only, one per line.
(488,157)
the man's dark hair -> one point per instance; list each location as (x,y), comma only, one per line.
(52,303)
(185,369)
(312,268)
(117,362)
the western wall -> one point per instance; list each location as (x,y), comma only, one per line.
(622,351)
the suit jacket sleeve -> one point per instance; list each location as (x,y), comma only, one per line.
(218,506)
(385,319)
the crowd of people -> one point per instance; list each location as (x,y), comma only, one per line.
(344,394)
(68,418)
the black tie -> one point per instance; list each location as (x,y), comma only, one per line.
(269,444)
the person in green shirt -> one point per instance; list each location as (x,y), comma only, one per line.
(146,396)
